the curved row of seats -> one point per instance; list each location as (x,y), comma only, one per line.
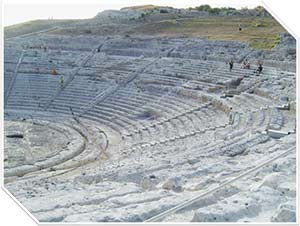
(127,105)
(140,115)
(232,140)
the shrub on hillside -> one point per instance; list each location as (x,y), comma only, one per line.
(163,11)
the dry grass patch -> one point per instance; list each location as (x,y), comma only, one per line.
(262,33)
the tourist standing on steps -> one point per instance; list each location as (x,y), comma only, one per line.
(259,69)
(230,65)
(61,81)
(231,116)
(248,65)
(240,27)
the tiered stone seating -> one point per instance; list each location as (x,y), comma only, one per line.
(7,81)
(77,94)
(30,91)
(121,63)
(9,67)
(193,74)
(148,113)
(62,42)
(11,55)
(56,58)
(131,104)
(122,110)
(143,111)
(187,128)
(217,51)
(141,47)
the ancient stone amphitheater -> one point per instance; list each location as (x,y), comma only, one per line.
(141,124)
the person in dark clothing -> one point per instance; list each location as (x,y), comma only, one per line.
(259,69)
(71,110)
(230,65)
(240,27)
(231,116)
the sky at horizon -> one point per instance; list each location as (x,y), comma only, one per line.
(17,12)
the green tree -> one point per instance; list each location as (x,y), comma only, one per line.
(205,8)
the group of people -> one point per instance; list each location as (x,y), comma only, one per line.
(246,65)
